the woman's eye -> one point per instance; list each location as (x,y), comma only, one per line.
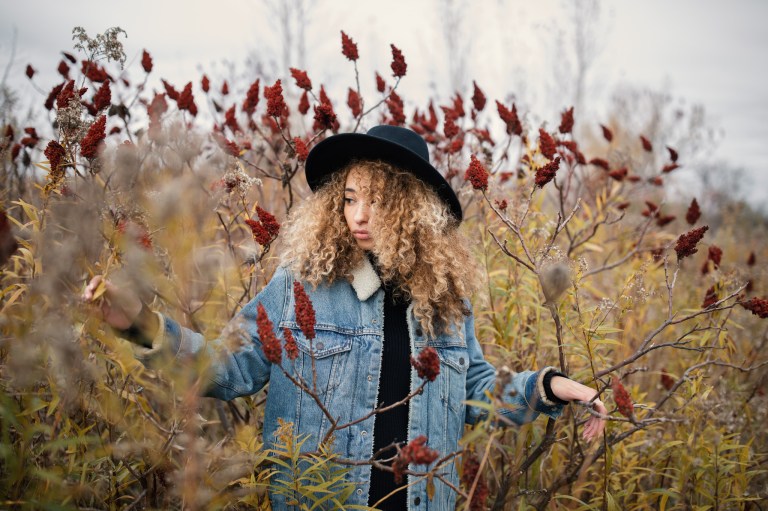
(348,200)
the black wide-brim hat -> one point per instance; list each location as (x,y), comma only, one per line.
(397,146)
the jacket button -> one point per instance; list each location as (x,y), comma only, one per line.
(417,501)
(364,433)
(359,491)
(461,361)
(370,378)
(320,345)
(419,332)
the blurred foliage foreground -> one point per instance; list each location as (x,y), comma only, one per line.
(587,263)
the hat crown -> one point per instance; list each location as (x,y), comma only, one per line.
(395,145)
(402,136)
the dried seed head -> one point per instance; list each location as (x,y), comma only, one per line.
(555,279)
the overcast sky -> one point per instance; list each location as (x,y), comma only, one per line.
(706,52)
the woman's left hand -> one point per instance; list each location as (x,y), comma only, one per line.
(569,390)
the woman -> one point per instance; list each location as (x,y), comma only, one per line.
(378,251)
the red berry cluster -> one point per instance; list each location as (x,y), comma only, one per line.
(269,343)
(305,312)
(252,97)
(146,61)
(302,80)
(686,243)
(55,153)
(715,254)
(476,174)
(566,121)
(468,476)
(266,229)
(622,398)
(666,380)
(478,98)
(398,62)
(93,140)
(710,298)
(547,173)
(510,118)
(348,47)
(325,117)
(546,144)
(757,306)
(354,103)
(290,344)
(276,106)
(427,365)
(415,452)
(301,149)
(693,213)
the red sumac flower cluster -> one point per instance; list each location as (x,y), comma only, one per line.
(290,344)
(686,243)
(468,476)
(93,140)
(622,398)
(269,343)
(305,312)
(415,452)
(427,365)
(476,174)
(266,229)
(757,306)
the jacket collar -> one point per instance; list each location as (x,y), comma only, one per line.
(365,280)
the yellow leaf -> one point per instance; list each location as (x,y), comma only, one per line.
(29,210)
(54,403)
(99,291)
(593,247)
(12,299)
(587,210)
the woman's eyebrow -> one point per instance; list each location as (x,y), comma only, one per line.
(351,190)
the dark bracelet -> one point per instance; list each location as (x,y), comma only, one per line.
(547,383)
(135,334)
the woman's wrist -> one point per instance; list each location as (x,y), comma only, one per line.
(569,390)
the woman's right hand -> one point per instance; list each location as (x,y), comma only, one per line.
(118,306)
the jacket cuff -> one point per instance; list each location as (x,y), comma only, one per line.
(544,404)
(142,352)
(546,380)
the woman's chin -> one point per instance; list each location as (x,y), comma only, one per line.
(365,244)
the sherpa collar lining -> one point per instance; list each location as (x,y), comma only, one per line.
(365,280)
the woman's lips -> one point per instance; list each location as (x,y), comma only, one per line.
(361,235)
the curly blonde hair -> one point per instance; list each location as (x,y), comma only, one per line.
(417,244)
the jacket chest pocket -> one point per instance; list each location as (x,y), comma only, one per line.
(330,350)
(450,408)
(454,362)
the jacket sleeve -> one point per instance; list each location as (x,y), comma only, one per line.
(233,372)
(523,393)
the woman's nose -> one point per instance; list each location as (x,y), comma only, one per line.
(362,212)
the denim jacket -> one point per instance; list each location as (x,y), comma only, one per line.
(348,349)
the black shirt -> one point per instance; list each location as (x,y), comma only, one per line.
(394,384)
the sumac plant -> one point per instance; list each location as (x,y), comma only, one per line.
(590,265)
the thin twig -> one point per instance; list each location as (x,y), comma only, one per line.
(626,257)
(503,247)
(375,411)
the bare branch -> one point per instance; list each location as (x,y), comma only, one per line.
(503,247)
(626,257)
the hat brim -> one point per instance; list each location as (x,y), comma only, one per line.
(336,152)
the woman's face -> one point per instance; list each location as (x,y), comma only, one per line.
(357,208)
